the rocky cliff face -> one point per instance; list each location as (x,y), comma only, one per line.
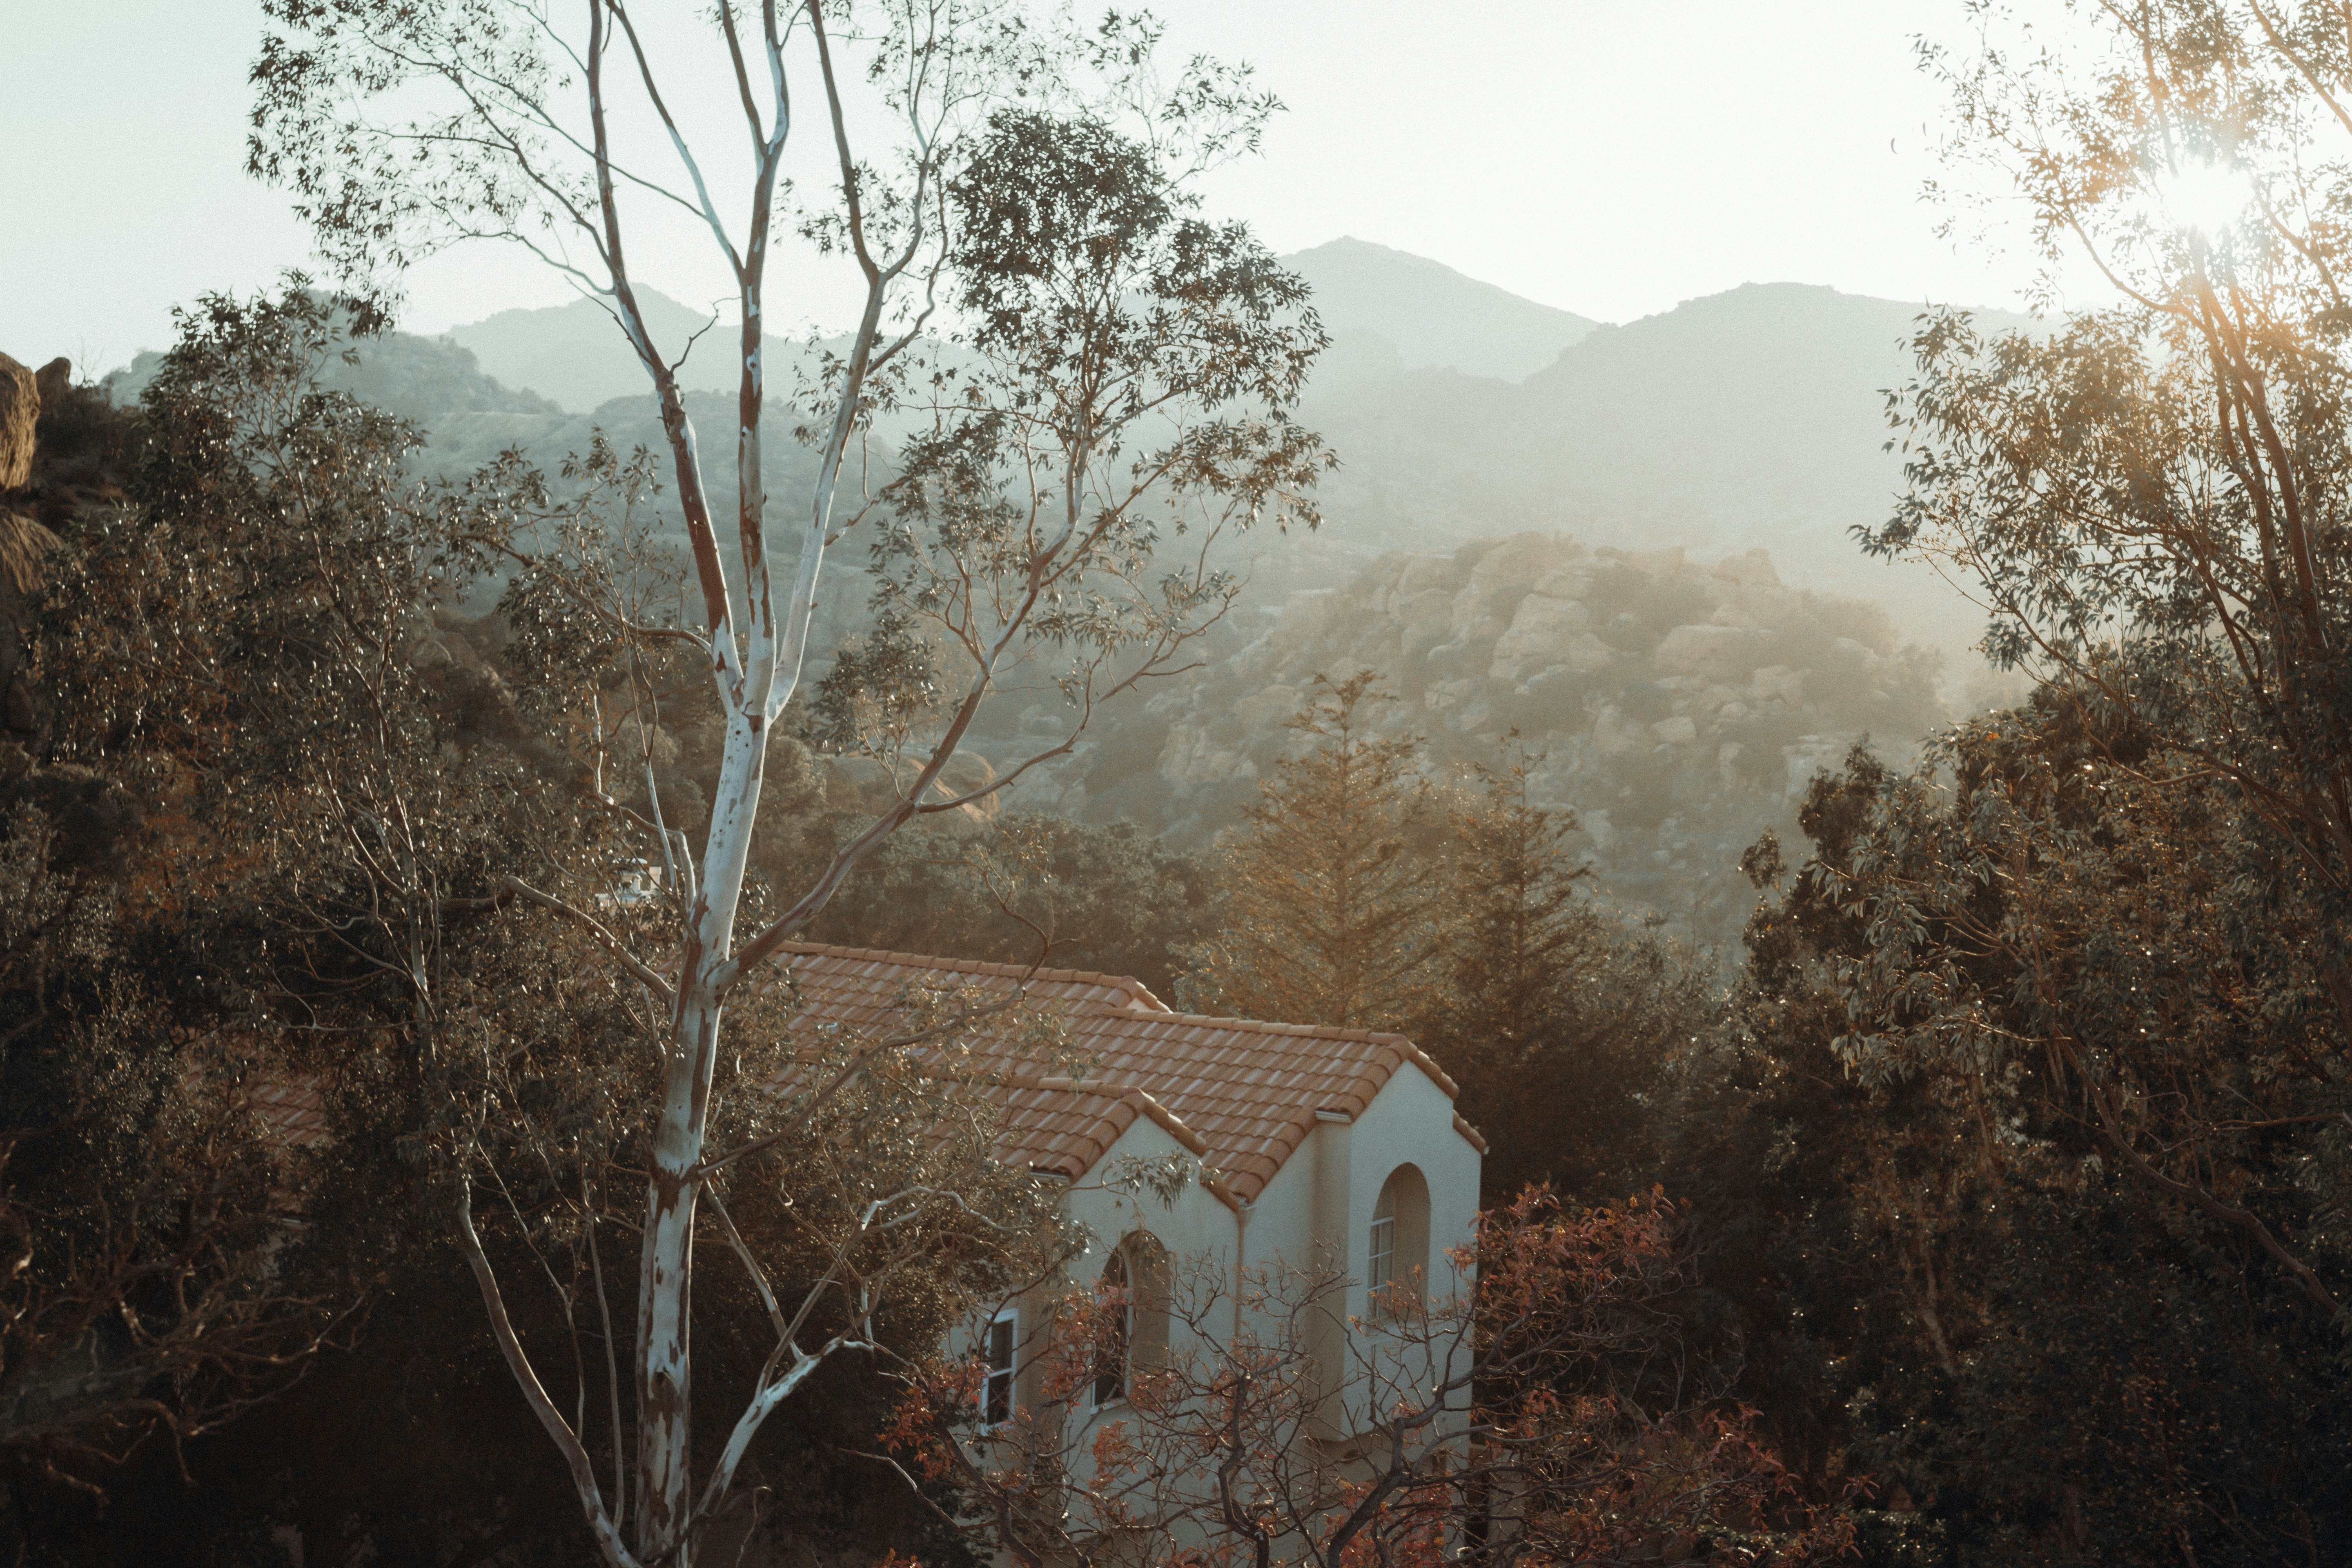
(24,542)
(1678,706)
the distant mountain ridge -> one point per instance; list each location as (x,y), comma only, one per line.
(575,355)
(1390,311)
(1430,313)
(1750,419)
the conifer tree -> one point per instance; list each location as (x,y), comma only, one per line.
(1518,934)
(1331,914)
(1558,1019)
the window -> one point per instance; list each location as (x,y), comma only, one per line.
(1396,1261)
(996,1393)
(1114,1329)
(1132,1324)
(1379,1261)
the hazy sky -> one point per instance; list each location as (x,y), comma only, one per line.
(1609,159)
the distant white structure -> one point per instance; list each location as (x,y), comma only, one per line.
(633,882)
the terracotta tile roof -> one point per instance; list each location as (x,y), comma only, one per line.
(1240,1094)
(294,1111)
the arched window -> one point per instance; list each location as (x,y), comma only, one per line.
(1114,1328)
(1396,1261)
(1131,1329)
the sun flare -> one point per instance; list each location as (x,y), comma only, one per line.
(2206,198)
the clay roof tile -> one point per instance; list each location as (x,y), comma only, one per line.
(1240,1093)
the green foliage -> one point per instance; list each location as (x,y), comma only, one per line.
(1944,1275)
(326,785)
(1015,890)
(879,686)
(1563,1021)
(1360,895)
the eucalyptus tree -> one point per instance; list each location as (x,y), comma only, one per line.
(2154,499)
(1092,372)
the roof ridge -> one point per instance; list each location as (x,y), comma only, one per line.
(1133,1095)
(1126,982)
(1404,1042)
(1250,1087)
(1160,1011)
(1271,1026)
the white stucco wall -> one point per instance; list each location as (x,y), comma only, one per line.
(1198,1230)
(1318,1206)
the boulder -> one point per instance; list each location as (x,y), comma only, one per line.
(1410,575)
(52,381)
(1755,568)
(1537,635)
(1571,581)
(1521,559)
(1425,609)
(1586,653)
(20,411)
(1708,649)
(1778,683)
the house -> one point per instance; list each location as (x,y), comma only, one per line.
(1334,1152)
(1319,1149)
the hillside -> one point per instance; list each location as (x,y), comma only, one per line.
(575,356)
(428,380)
(1677,618)
(1745,420)
(1678,706)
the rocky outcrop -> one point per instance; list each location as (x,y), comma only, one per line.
(25,546)
(94,819)
(20,413)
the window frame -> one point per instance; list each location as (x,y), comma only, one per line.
(999,1379)
(1110,1387)
(1380,1254)
(1396,1261)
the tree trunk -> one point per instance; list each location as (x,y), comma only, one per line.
(665,1307)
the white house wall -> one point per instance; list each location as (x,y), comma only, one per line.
(1317,1208)
(1410,1121)
(1197,1227)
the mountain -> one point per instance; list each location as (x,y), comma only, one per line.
(1749,419)
(429,380)
(1679,686)
(1388,313)
(1370,296)
(576,354)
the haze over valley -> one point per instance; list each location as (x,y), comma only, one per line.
(1497,459)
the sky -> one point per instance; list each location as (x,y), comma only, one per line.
(1608,159)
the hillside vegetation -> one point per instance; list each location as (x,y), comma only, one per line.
(1678,707)
(1678,697)
(1746,420)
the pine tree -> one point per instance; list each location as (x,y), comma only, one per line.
(1558,1018)
(1332,912)
(1518,937)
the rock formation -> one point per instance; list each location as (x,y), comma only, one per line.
(20,412)
(24,544)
